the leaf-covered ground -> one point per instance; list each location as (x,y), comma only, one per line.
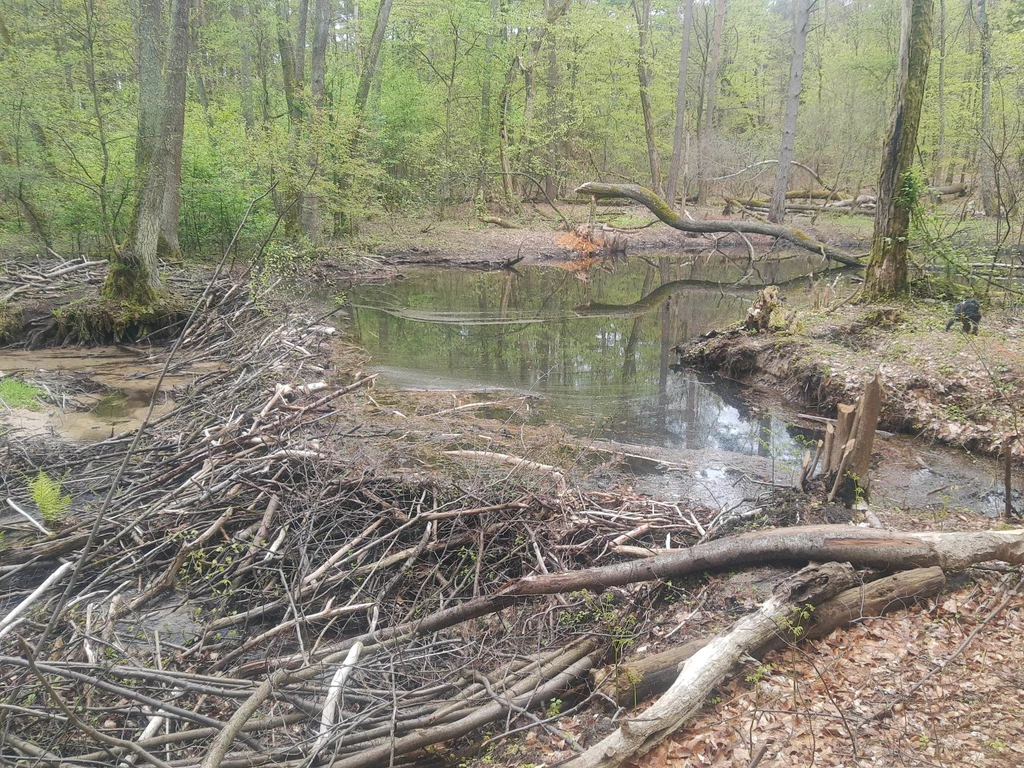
(940,686)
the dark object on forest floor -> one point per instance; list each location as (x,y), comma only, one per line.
(968,312)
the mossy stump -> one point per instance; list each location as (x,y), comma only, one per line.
(105,320)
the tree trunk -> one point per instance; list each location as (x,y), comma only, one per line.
(301,27)
(940,150)
(176,71)
(632,682)
(707,667)
(372,55)
(486,121)
(554,123)
(151,32)
(664,211)
(134,276)
(801,23)
(643,67)
(986,152)
(887,266)
(242,24)
(708,134)
(318,95)
(678,140)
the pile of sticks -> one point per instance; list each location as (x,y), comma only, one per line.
(254,534)
(48,278)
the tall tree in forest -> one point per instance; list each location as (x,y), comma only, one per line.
(372,55)
(678,138)
(708,132)
(898,187)
(986,153)
(801,23)
(134,274)
(940,149)
(642,11)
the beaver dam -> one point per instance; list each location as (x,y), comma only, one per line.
(297,564)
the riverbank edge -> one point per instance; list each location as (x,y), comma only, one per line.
(956,389)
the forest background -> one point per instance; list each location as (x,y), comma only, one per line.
(347,110)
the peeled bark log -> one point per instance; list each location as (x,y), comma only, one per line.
(706,668)
(663,211)
(634,681)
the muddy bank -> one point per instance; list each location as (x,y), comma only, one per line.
(944,386)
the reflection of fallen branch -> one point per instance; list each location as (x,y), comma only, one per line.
(471,406)
(517,461)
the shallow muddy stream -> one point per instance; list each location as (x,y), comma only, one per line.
(595,352)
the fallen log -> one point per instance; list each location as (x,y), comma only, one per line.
(503,223)
(705,669)
(632,682)
(957,190)
(862,547)
(663,211)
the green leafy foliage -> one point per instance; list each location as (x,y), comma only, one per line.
(47,493)
(15,393)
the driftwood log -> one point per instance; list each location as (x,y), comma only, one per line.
(634,681)
(663,211)
(705,669)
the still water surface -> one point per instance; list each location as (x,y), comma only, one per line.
(597,347)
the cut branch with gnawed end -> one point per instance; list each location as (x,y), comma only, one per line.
(664,211)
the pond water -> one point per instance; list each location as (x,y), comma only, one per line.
(596,350)
(596,347)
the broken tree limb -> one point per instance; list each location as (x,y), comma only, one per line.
(631,682)
(863,547)
(706,668)
(664,211)
(870,408)
(551,679)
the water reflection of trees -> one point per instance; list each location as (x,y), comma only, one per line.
(520,330)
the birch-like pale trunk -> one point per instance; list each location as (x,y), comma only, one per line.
(986,153)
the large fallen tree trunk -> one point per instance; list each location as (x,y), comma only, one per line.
(863,547)
(706,668)
(663,211)
(632,682)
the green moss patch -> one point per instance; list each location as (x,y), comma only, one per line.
(103,320)
(10,323)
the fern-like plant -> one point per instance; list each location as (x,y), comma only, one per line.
(46,493)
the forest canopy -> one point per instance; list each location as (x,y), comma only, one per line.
(352,108)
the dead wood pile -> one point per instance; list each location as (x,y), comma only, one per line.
(263,591)
(253,525)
